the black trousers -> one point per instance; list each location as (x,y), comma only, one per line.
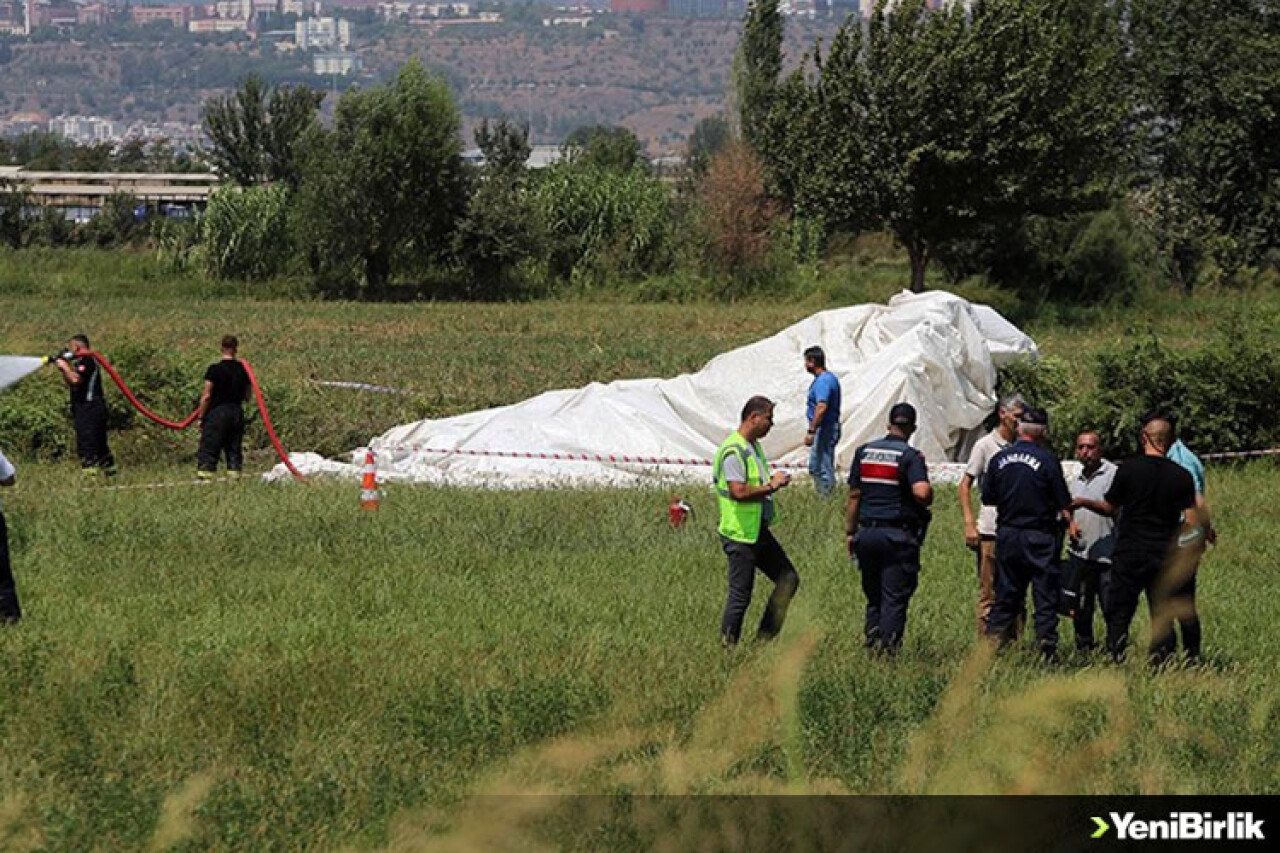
(1170,599)
(766,555)
(1091,579)
(10,611)
(223,432)
(889,560)
(1026,557)
(90,419)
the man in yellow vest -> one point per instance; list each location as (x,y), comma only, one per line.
(745,490)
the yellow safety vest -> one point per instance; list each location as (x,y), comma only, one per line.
(740,520)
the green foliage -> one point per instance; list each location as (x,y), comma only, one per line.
(756,68)
(33,417)
(1209,127)
(117,223)
(505,146)
(13,201)
(1087,258)
(599,221)
(710,136)
(933,122)
(246,232)
(50,228)
(499,230)
(1221,392)
(1044,382)
(257,131)
(384,189)
(604,147)
(177,242)
(44,151)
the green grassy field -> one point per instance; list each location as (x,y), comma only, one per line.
(250,667)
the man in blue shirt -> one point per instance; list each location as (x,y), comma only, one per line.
(889,497)
(1024,483)
(822,410)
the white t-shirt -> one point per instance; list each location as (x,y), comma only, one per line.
(6,471)
(989,445)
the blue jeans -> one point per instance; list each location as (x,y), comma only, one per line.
(822,458)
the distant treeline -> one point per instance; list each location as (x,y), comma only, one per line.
(1066,149)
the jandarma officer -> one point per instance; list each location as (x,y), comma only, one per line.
(745,489)
(1025,484)
(889,497)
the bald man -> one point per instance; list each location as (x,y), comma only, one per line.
(1148,497)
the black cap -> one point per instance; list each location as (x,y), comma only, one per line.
(903,414)
(1034,416)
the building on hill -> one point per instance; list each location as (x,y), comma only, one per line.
(322,33)
(92,14)
(339,63)
(218,25)
(698,8)
(179,16)
(638,7)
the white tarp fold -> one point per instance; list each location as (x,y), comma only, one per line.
(14,367)
(934,350)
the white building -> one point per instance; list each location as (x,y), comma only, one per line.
(340,63)
(323,34)
(85,129)
(218,25)
(234,10)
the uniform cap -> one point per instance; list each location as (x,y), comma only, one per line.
(1034,416)
(903,414)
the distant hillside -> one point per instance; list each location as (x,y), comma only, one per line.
(658,76)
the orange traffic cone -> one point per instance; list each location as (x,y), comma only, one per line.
(370,496)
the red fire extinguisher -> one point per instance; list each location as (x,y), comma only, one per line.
(679,511)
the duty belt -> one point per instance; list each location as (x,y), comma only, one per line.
(897,525)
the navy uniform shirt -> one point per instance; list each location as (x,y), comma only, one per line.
(884,471)
(1024,483)
(89,388)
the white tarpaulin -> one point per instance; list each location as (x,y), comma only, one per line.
(14,367)
(933,350)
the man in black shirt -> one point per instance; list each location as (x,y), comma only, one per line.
(1024,483)
(88,406)
(221,413)
(1149,496)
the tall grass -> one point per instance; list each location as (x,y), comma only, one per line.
(245,667)
(241,667)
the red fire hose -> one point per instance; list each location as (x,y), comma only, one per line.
(190,419)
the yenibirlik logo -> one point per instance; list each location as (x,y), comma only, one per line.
(1182,826)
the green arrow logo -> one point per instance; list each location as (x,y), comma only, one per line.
(1102,828)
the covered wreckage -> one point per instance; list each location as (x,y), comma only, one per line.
(934,350)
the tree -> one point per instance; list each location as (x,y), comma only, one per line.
(604,146)
(756,68)
(710,136)
(386,186)
(933,123)
(736,212)
(256,131)
(499,229)
(13,202)
(1209,120)
(505,146)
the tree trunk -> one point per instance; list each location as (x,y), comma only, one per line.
(377,272)
(919,256)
